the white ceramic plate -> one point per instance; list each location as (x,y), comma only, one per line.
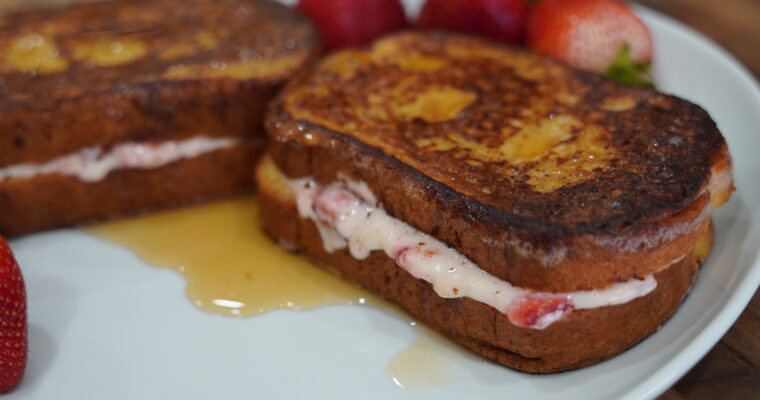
(105,325)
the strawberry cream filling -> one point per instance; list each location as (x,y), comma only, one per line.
(92,164)
(346,219)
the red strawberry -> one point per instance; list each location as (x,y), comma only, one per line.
(13,340)
(400,256)
(503,20)
(344,23)
(596,35)
(538,312)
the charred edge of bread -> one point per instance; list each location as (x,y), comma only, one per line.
(53,200)
(586,263)
(582,338)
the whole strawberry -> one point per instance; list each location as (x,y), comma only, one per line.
(344,23)
(13,328)
(596,35)
(503,20)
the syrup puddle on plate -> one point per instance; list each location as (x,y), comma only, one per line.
(232,268)
(426,363)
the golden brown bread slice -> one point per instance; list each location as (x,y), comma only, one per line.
(582,338)
(138,71)
(549,178)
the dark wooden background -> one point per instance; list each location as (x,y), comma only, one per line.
(731,370)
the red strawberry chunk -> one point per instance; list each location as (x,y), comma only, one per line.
(537,311)
(330,203)
(13,328)
(400,256)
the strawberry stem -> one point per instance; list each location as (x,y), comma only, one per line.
(627,71)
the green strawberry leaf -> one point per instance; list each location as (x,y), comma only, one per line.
(628,72)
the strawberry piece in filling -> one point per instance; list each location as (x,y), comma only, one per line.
(345,220)
(537,311)
(330,203)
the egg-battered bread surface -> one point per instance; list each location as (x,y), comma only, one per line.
(527,142)
(96,74)
(63,53)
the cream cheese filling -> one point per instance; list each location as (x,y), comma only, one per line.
(92,164)
(350,218)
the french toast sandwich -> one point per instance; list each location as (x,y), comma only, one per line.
(115,108)
(543,217)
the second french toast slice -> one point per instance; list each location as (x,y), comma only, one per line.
(120,107)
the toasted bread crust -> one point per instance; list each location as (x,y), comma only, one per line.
(636,201)
(528,145)
(581,338)
(53,201)
(207,70)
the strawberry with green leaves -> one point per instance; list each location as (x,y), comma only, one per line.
(596,35)
(13,328)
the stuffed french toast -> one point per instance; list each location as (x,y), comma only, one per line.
(543,217)
(115,108)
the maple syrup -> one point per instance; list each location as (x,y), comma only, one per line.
(427,363)
(232,268)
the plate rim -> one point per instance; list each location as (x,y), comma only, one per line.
(669,373)
(661,379)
